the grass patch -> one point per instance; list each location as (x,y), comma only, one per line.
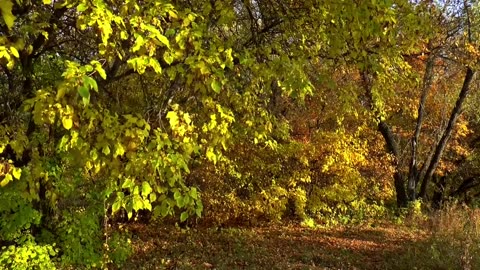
(453,242)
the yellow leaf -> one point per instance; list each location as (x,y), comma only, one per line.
(101,71)
(6,9)
(17,172)
(67,122)
(6,179)
(14,51)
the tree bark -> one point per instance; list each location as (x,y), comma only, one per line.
(437,198)
(398,177)
(413,170)
(391,144)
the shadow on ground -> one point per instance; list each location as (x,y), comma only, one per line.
(288,247)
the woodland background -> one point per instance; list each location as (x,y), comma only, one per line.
(230,113)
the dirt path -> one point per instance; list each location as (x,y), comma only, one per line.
(278,247)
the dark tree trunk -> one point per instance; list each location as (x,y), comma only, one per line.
(399,182)
(391,144)
(437,198)
(398,177)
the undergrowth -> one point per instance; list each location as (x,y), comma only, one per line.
(453,240)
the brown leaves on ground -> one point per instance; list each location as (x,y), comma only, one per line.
(273,247)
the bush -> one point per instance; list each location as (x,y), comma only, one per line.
(119,248)
(27,255)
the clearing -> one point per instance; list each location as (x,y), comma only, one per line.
(272,247)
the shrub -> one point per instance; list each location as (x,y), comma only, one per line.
(27,255)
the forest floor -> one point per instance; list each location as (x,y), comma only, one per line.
(272,247)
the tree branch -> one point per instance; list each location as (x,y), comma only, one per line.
(457,110)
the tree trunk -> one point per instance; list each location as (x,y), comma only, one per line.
(399,182)
(391,144)
(437,198)
(413,174)
(457,110)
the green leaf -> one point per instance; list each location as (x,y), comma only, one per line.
(164,209)
(84,92)
(198,211)
(156,211)
(183,216)
(193,193)
(106,150)
(147,205)
(6,9)
(128,183)
(211,155)
(119,150)
(180,202)
(93,84)
(152,197)
(146,188)
(170,32)
(177,195)
(82,7)
(90,83)
(116,205)
(86,101)
(101,72)
(67,122)
(168,57)
(216,86)
(164,40)
(137,203)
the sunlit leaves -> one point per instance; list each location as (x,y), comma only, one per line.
(7,53)
(146,189)
(139,42)
(216,86)
(163,39)
(172,118)
(67,122)
(6,179)
(16,173)
(8,172)
(82,7)
(100,70)
(6,9)
(90,83)
(14,52)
